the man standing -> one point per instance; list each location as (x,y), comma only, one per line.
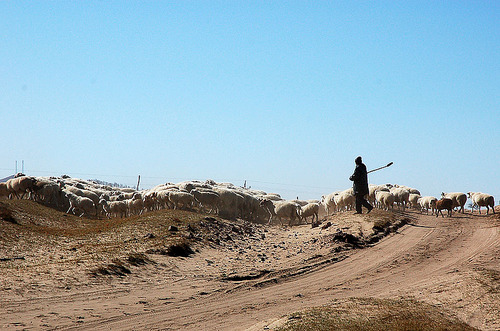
(360,186)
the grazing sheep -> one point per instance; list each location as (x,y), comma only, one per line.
(444,203)
(20,185)
(311,209)
(427,202)
(385,199)
(207,199)
(78,203)
(459,199)
(482,199)
(114,208)
(281,209)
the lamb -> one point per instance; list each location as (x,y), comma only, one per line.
(207,199)
(114,208)
(482,199)
(281,209)
(83,204)
(20,185)
(385,199)
(459,199)
(427,202)
(311,209)
(444,203)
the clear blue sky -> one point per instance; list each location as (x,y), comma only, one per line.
(282,94)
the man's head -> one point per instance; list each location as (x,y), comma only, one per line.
(358,160)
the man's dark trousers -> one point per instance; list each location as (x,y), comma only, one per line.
(361,201)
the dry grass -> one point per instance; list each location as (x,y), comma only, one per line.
(371,314)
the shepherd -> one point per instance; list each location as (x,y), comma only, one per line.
(360,186)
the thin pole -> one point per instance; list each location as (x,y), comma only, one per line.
(138,181)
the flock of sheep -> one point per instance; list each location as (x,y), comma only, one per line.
(91,199)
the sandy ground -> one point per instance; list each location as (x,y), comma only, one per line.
(246,276)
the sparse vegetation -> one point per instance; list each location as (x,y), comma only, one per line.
(369,314)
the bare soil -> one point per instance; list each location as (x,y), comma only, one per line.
(174,269)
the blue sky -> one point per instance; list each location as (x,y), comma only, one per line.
(282,94)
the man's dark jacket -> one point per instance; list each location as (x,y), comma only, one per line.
(360,179)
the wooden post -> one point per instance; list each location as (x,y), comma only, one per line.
(138,181)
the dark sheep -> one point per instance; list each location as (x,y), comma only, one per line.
(444,203)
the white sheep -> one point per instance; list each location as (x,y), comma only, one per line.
(345,200)
(413,199)
(135,206)
(232,203)
(83,193)
(311,209)
(78,203)
(409,189)
(372,188)
(20,185)
(181,199)
(385,199)
(282,209)
(114,208)
(426,203)
(482,199)
(401,196)
(459,199)
(328,202)
(208,200)
(162,199)
(48,192)
(150,200)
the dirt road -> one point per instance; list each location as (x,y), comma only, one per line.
(449,262)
